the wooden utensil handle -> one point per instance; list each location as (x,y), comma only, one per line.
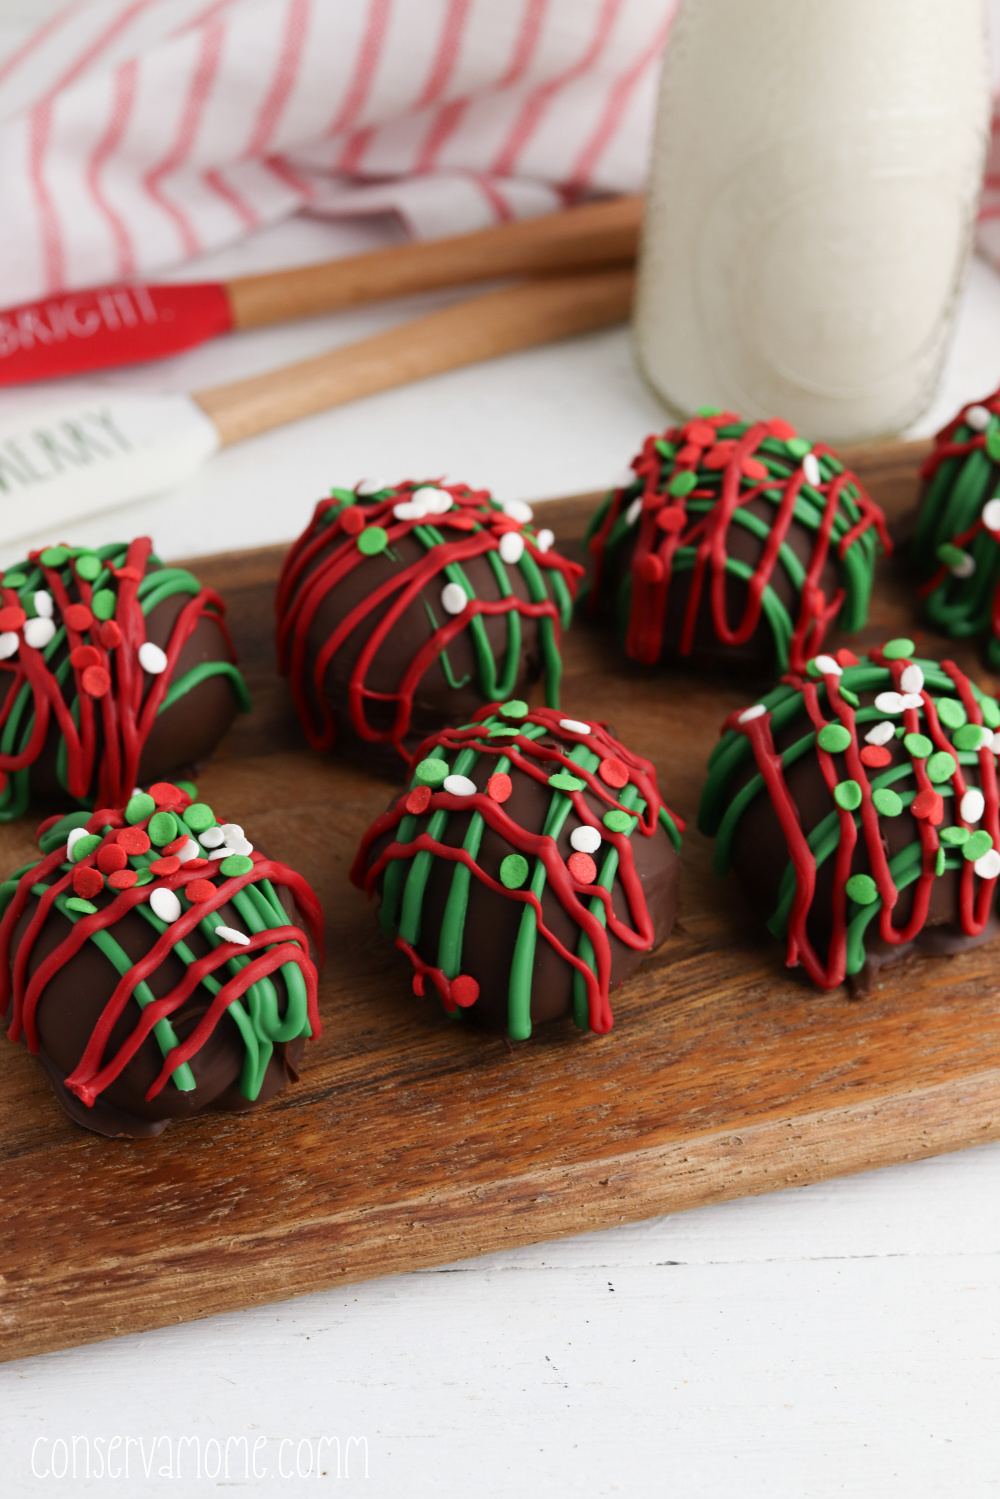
(596,234)
(518,317)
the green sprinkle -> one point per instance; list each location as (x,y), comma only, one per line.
(103,603)
(942,766)
(84,846)
(976,845)
(198,817)
(431,772)
(503,731)
(563,781)
(188,787)
(516,708)
(798,446)
(993,445)
(682,483)
(708,411)
(236,864)
(834,738)
(54,556)
(951,556)
(895,650)
(88,566)
(139,807)
(14,579)
(918,745)
(955,836)
(847,795)
(971,736)
(849,696)
(85,907)
(940,863)
(901,731)
(887,802)
(617,821)
(951,712)
(162,829)
(862,888)
(372,540)
(145,877)
(514,871)
(991,712)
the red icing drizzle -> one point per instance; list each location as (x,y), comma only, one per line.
(665,526)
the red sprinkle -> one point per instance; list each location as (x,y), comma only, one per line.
(844,657)
(464,990)
(650,568)
(123,879)
(754,469)
(700,432)
(133,840)
(875,756)
(671,518)
(418,800)
(83,656)
(95,681)
(104,817)
(166,866)
(175,847)
(78,617)
(199,890)
(781,429)
(352,520)
(461,522)
(110,635)
(499,786)
(720,454)
(111,857)
(87,882)
(689,454)
(613,773)
(929,804)
(582,868)
(12,617)
(163,792)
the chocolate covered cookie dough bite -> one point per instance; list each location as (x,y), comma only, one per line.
(858,805)
(402,611)
(526,869)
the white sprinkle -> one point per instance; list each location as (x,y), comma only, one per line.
(988,867)
(239,846)
(826,664)
(44,604)
(152,659)
(165,905)
(574,726)
(460,785)
(889,702)
(223,851)
(38,632)
(433,501)
(912,679)
(9,643)
(881,733)
(995,745)
(985,737)
(544,540)
(810,467)
(371,486)
(585,840)
(211,837)
(749,713)
(963,568)
(511,547)
(991,515)
(973,805)
(405,511)
(978,418)
(634,511)
(75,835)
(517,510)
(230,934)
(912,700)
(453,598)
(189,851)
(232,830)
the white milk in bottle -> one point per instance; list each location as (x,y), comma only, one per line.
(815,175)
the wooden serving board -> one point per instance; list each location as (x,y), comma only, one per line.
(412,1141)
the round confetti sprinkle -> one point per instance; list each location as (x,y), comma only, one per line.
(585,839)
(162,828)
(140,806)
(39,632)
(163,792)
(951,712)
(352,520)
(103,603)
(811,470)
(991,515)
(942,766)
(955,837)
(236,864)
(430,772)
(464,990)
(12,617)
(574,726)
(133,840)
(699,432)
(81,847)
(617,821)
(754,469)
(896,650)
(514,871)
(978,418)
(87,882)
(988,867)
(564,781)
(189,852)
(887,802)
(633,512)
(973,805)
(88,566)
(518,510)
(95,681)
(918,745)
(671,518)
(44,606)
(164,904)
(833,738)
(123,879)
(749,714)
(162,867)
(54,556)
(110,635)
(990,709)
(613,772)
(682,484)
(453,598)
(152,658)
(582,868)
(889,702)
(798,446)
(515,708)
(976,845)
(111,857)
(78,617)
(198,891)
(199,816)
(875,756)
(230,934)
(971,736)
(145,877)
(826,666)
(369,487)
(212,837)
(83,906)
(372,540)
(459,786)
(189,789)
(912,679)
(418,800)
(928,804)
(862,888)
(650,569)
(75,834)
(511,547)
(499,786)
(880,733)
(847,794)
(545,540)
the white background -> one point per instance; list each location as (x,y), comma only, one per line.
(832,1340)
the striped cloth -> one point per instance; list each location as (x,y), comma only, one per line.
(135,134)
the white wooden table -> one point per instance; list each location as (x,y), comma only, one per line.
(831,1340)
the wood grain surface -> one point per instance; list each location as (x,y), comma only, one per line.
(411,1141)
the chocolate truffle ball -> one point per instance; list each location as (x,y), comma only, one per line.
(114,670)
(403,611)
(858,805)
(526,869)
(735,547)
(153,962)
(956,541)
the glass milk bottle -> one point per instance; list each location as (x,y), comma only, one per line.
(816,170)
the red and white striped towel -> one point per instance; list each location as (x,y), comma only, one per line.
(135,134)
